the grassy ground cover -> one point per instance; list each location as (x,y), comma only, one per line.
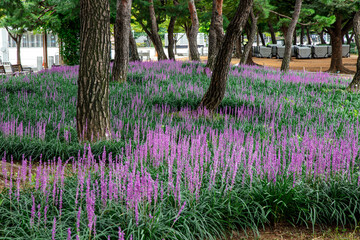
(282,147)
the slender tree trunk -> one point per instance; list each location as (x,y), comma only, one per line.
(45,50)
(155,37)
(262,37)
(349,38)
(250,60)
(302,35)
(216,91)
(216,33)
(93,111)
(321,35)
(272,33)
(308,35)
(251,37)
(287,55)
(335,32)
(355,83)
(238,47)
(194,29)
(171,38)
(18,47)
(134,54)
(122,32)
(294,37)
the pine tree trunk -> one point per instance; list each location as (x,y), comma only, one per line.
(336,65)
(251,37)
(272,33)
(171,38)
(93,111)
(262,37)
(192,36)
(122,32)
(216,33)
(308,35)
(355,83)
(288,38)
(155,37)
(134,54)
(216,91)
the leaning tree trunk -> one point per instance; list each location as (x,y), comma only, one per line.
(194,29)
(93,111)
(122,31)
(251,37)
(308,35)
(155,37)
(134,54)
(262,37)
(336,36)
(216,91)
(171,39)
(272,33)
(216,33)
(288,38)
(355,83)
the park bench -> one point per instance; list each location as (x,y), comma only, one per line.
(19,69)
(2,70)
(345,50)
(320,51)
(273,49)
(303,52)
(144,54)
(264,52)
(280,51)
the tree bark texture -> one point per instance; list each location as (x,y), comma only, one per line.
(134,54)
(155,37)
(272,33)
(288,38)
(93,111)
(122,32)
(216,32)
(251,37)
(336,35)
(355,83)
(216,91)
(194,29)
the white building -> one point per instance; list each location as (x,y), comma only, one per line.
(31,50)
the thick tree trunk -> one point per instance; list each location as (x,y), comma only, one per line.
(216,91)
(93,111)
(272,33)
(355,83)
(288,39)
(321,35)
(122,32)
(171,39)
(336,65)
(216,33)
(194,29)
(45,51)
(308,35)
(155,37)
(251,37)
(134,54)
(262,38)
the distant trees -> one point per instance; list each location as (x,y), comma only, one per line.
(355,83)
